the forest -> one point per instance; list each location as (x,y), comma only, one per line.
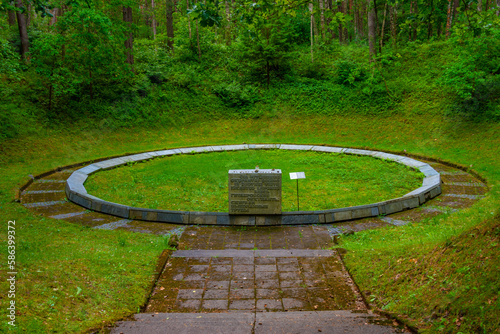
(164,62)
(86,80)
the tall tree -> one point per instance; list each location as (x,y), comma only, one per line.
(12,15)
(228,19)
(371,29)
(22,24)
(322,18)
(393,13)
(129,42)
(170,23)
(311,9)
(153,18)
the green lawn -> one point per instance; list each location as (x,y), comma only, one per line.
(72,278)
(200,183)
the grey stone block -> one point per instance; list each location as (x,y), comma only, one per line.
(230,147)
(143,214)
(96,203)
(242,220)
(327,149)
(263,146)
(203,149)
(90,169)
(296,147)
(310,218)
(393,206)
(75,187)
(361,212)
(387,156)
(202,218)
(76,178)
(267,220)
(329,218)
(434,180)
(111,163)
(75,183)
(412,162)
(115,209)
(435,191)
(176,217)
(223,219)
(358,152)
(80,200)
(428,170)
(410,202)
(375,211)
(342,214)
(138,157)
(166,152)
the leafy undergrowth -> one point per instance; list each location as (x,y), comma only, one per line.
(199,182)
(437,280)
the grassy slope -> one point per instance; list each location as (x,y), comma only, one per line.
(53,268)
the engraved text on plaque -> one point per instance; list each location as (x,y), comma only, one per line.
(255,192)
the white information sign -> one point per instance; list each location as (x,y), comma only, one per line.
(297,175)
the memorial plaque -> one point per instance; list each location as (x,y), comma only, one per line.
(255,192)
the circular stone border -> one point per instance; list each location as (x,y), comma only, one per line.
(76,192)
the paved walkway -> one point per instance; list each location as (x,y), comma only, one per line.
(254,280)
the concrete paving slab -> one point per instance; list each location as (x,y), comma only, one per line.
(186,323)
(337,322)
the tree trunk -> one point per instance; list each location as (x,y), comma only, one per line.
(129,43)
(189,19)
(393,12)
(449,18)
(328,20)
(312,36)
(356,20)
(415,11)
(170,23)
(322,18)
(341,26)
(55,13)
(345,32)
(153,18)
(381,41)
(479,6)
(371,29)
(498,7)
(22,24)
(12,16)
(228,27)
(429,22)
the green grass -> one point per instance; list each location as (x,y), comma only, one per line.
(57,255)
(199,182)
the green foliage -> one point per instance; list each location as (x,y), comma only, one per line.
(9,59)
(236,95)
(475,75)
(349,73)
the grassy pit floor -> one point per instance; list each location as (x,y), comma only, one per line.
(200,182)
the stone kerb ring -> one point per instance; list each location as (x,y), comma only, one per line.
(76,192)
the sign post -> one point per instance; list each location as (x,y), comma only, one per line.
(297,176)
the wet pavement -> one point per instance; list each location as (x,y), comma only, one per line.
(242,279)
